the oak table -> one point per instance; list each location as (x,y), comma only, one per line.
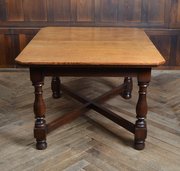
(78,51)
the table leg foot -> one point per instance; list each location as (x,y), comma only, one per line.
(55,87)
(140,134)
(40,133)
(139,145)
(41,145)
(128,88)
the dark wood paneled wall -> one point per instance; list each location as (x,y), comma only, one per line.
(21,19)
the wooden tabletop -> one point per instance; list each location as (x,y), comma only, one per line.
(90,46)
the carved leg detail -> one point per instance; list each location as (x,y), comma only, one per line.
(40,133)
(55,87)
(141,111)
(39,111)
(128,87)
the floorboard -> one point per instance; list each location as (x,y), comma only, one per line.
(91,142)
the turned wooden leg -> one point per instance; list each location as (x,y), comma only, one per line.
(128,87)
(55,87)
(141,111)
(39,110)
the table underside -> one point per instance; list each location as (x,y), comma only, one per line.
(41,129)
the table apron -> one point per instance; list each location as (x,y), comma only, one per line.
(89,71)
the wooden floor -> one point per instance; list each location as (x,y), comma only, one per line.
(91,142)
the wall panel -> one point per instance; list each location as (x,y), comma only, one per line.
(35,10)
(3,56)
(132,10)
(178,52)
(59,10)
(7,48)
(12,42)
(108,10)
(163,44)
(178,12)
(175,14)
(157,11)
(85,10)
(24,39)
(15,10)
(20,18)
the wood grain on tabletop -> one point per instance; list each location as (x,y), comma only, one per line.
(90,46)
